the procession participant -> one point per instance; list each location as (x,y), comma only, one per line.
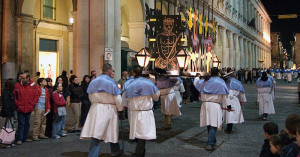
(272,72)
(278,75)
(284,76)
(169,106)
(179,90)
(139,97)
(289,75)
(236,98)
(264,88)
(213,92)
(274,83)
(102,120)
(296,72)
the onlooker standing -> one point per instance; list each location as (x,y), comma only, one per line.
(42,107)
(59,103)
(8,104)
(93,73)
(50,115)
(270,129)
(26,97)
(76,95)
(291,148)
(86,104)
(123,79)
(64,78)
(34,79)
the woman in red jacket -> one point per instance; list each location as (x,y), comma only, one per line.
(59,109)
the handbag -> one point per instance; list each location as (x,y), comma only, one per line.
(7,135)
(61,111)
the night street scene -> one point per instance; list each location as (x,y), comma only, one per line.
(150,78)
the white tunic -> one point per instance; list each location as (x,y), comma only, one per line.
(211,112)
(102,121)
(289,77)
(265,100)
(179,88)
(278,76)
(235,116)
(168,102)
(142,122)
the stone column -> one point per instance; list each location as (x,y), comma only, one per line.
(8,40)
(246,54)
(216,48)
(223,36)
(136,33)
(242,55)
(81,55)
(117,44)
(237,52)
(250,55)
(27,47)
(97,35)
(231,53)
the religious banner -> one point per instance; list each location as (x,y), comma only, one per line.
(168,31)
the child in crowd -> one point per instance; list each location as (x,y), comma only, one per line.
(275,145)
(290,148)
(59,109)
(270,128)
(42,107)
(298,138)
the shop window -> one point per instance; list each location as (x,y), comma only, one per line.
(48,45)
(49,9)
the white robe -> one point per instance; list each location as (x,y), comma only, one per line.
(265,100)
(168,102)
(142,122)
(296,75)
(102,121)
(278,75)
(211,112)
(235,116)
(289,77)
(179,88)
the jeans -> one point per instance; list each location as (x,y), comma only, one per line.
(23,126)
(95,147)
(140,148)
(58,125)
(211,135)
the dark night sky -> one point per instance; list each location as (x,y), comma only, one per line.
(286,27)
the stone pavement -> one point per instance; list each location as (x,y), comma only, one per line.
(185,138)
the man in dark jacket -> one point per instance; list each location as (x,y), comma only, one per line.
(76,95)
(26,98)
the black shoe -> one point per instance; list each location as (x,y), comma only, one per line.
(209,148)
(72,131)
(227,132)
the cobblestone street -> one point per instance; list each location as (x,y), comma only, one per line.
(185,138)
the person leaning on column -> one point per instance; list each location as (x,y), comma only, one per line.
(102,122)
(139,97)
(213,93)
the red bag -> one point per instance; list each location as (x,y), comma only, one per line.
(7,135)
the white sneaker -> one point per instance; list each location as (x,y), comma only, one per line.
(57,137)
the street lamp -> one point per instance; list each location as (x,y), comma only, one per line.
(143,57)
(216,62)
(183,59)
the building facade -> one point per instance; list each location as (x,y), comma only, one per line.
(54,35)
